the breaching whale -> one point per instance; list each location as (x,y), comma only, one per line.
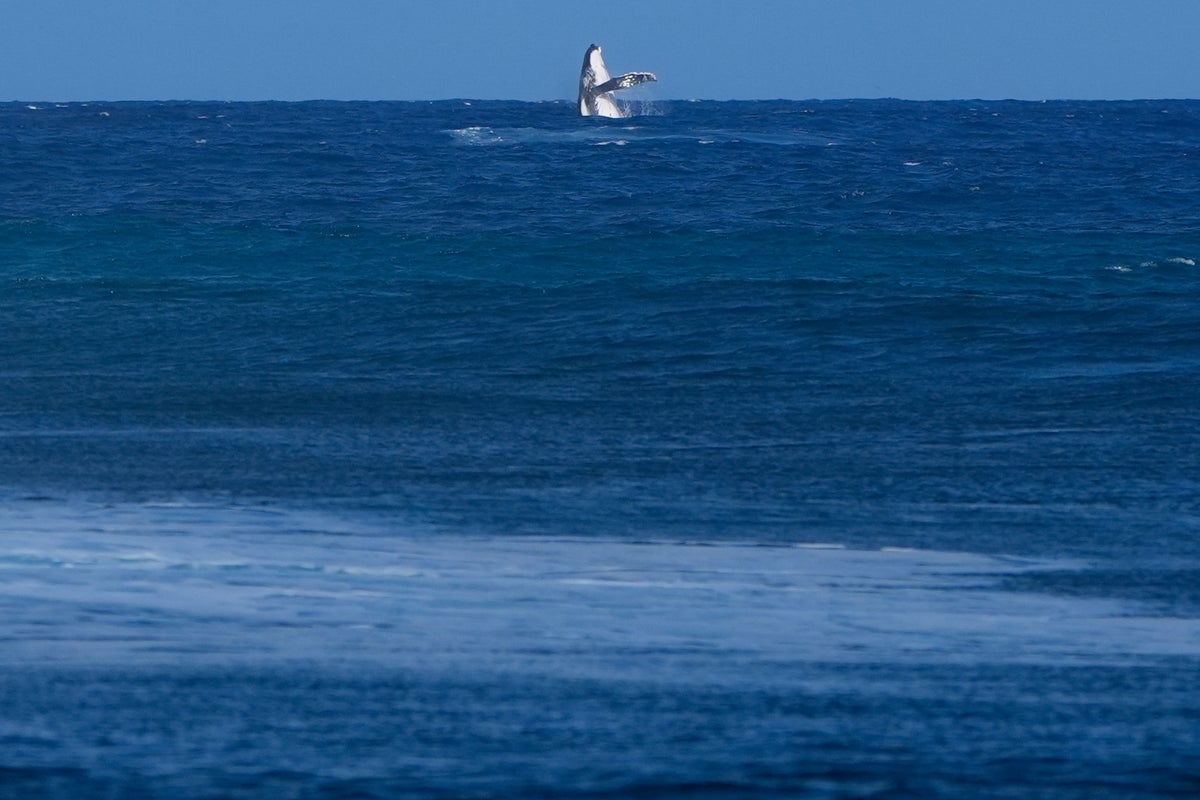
(596,87)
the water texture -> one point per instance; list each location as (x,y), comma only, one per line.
(474,449)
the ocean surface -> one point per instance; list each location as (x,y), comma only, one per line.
(478,450)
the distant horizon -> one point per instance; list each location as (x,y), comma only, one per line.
(571,101)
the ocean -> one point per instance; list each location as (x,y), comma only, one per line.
(466,449)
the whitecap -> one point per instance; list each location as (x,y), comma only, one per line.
(475,135)
(1189,262)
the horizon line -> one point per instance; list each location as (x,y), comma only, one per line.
(471,100)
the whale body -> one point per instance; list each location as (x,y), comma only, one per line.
(596,85)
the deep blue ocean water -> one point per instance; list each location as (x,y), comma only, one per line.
(474,449)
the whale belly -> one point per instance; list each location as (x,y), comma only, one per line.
(606,106)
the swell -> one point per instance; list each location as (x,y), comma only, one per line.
(829,316)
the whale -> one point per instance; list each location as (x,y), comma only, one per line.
(596,86)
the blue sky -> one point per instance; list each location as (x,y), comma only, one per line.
(532,49)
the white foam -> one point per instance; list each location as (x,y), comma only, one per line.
(593,134)
(475,135)
(137,583)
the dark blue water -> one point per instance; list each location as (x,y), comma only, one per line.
(479,450)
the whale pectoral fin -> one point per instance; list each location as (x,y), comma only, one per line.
(625,81)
